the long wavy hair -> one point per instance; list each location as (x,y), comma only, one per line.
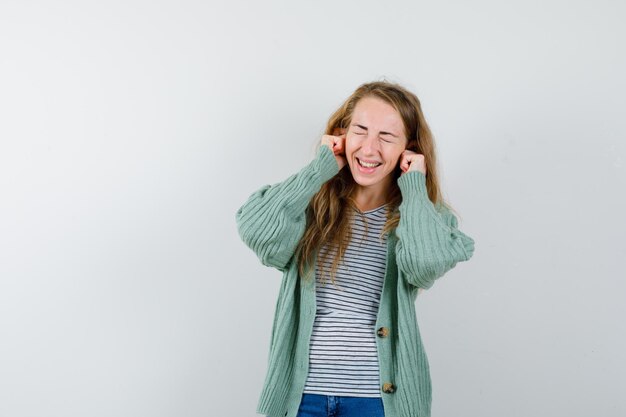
(330,211)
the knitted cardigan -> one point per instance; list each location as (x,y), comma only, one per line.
(425,245)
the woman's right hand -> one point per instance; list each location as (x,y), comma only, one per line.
(337,144)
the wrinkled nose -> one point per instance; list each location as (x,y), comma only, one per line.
(370,145)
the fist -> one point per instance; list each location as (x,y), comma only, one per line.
(337,144)
(412,161)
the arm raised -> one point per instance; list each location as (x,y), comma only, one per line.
(429,243)
(272,221)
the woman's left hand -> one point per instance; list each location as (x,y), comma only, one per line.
(412,161)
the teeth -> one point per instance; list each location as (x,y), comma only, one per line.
(367,164)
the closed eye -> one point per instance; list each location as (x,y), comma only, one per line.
(359,129)
(387,137)
(362,130)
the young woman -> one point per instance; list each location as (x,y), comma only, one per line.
(367,213)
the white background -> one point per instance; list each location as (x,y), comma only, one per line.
(132,131)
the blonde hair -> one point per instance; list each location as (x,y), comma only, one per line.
(331,209)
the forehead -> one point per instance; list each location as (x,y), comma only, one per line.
(375,113)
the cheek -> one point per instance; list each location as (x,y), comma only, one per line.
(395,155)
(349,147)
(396,161)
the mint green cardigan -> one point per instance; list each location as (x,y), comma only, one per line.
(425,245)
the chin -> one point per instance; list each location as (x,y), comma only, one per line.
(367,181)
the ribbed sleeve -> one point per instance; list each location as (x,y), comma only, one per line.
(272,221)
(429,243)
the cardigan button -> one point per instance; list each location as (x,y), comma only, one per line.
(389,388)
(383,332)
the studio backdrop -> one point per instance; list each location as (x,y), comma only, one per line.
(132,131)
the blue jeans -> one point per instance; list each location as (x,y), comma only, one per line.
(317,405)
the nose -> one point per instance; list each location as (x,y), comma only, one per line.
(370,145)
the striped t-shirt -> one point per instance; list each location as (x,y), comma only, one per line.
(343,358)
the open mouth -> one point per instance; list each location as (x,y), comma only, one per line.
(368,165)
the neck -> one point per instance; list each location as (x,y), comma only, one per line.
(371,197)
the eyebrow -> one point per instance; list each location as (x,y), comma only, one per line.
(382,133)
